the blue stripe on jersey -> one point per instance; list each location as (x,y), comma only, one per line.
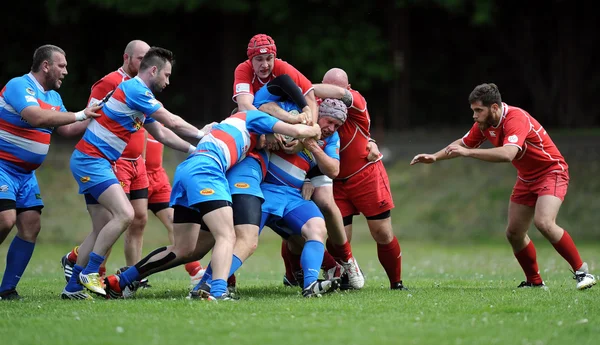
(105,148)
(27,156)
(279,177)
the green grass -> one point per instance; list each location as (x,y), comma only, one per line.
(459,294)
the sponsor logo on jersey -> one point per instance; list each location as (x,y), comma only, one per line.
(513,139)
(30,91)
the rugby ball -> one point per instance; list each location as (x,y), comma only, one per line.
(286,138)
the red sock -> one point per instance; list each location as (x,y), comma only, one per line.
(102,271)
(295,261)
(328,261)
(566,248)
(193,267)
(343,252)
(286,261)
(231,280)
(390,257)
(528,260)
(73,254)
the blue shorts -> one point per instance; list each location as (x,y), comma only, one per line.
(199,179)
(285,211)
(245,178)
(93,174)
(22,188)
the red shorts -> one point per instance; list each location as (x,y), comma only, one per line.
(368,192)
(160,187)
(527,193)
(131,174)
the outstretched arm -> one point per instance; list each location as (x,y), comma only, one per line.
(440,155)
(176,124)
(167,137)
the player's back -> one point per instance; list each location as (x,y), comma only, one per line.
(539,155)
(229,141)
(23,146)
(354,137)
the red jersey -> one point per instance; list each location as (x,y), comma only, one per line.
(154,154)
(100,89)
(537,156)
(354,137)
(246,82)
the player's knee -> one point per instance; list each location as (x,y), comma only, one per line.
(29,225)
(8,218)
(315,229)
(246,238)
(514,233)
(140,219)
(125,216)
(544,224)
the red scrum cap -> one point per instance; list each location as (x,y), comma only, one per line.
(261,44)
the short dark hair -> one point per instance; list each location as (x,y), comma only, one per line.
(44,53)
(158,57)
(487,93)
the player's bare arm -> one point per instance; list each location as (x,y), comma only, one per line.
(167,137)
(273,109)
(244,102)
(43,118)
(328,165)
(330,91)
(298,131)
(176,124)
(442,154)
(495,155)
(312,104)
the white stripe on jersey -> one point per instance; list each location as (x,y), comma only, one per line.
(224,149)
(7,106)
(25,144)
(106,136)
(287,167)
(240,125)
(121,108)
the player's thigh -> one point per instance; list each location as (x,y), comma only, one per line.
(343,201)
(519,219)
(369,191)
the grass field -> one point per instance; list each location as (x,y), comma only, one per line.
(459,294)
(450,220)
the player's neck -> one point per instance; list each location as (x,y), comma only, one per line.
(127,71)
(39,77)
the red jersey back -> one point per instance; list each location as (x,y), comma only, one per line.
(154,154)
(100,89)
(537,156)
(354,137)
(246,82)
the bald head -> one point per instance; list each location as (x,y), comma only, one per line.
(133,55)
(336,76)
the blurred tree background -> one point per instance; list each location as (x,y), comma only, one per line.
(415,61)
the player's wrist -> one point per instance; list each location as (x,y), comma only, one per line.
(200,134)
(192,148)
(80,116)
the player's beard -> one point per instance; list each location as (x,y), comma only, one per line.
(483,126)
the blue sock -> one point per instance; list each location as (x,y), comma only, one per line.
(17,258)
(73,284)
(129,276)
(236,263)
(311,260)
(93,264)
(218,287)
(207,277)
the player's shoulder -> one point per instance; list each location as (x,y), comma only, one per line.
(244,66)
(23,80)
